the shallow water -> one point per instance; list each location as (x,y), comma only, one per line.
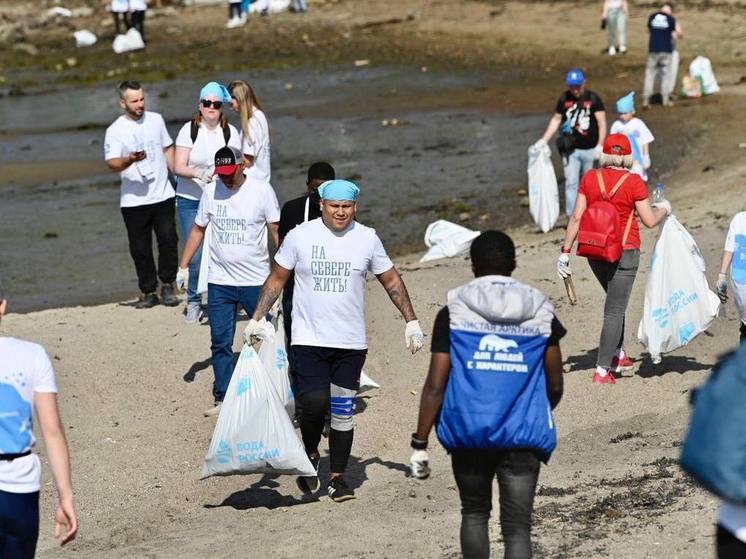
(63,241)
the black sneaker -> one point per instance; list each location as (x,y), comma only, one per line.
(168,295)
(147,301)
(338,490)
(310,484)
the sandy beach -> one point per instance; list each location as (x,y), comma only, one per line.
(133,383)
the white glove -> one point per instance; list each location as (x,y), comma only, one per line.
(419,464)
(205,174)
(257,330)
(539,144)
(413,336)
(722,287)
(597,151)
(182,278)
(563,266)
(646,162)
(663,204)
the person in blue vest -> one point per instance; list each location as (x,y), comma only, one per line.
(495,375)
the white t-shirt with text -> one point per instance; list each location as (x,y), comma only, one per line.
(238,231)
(258,147)
(202,154)
(143,182)
(330,272)
(639,135)
(25,369)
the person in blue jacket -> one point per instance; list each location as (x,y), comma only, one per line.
(495,375)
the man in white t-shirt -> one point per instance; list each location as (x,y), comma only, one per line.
(27,382)
(238,211)
(139,148)
(734,259)
(331,257)
(639,135)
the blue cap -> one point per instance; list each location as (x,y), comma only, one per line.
(575,77)
(339,190)
(214,89)
(626,104)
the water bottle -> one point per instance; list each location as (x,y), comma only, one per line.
(659,194)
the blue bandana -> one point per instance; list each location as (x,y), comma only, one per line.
(339,190)
(626,104)
(214,89)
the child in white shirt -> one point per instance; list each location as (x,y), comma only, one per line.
(637,131)
(734,257)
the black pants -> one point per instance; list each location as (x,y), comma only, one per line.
(743,331)
(234,10)
(728,546)
(517,472)
(140,222)
(120,17)
(138,22)
(19,524)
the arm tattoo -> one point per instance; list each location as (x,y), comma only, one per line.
(400,297)
(267,297)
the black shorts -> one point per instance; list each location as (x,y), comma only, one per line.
(316,368)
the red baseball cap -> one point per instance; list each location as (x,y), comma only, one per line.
(227,159)
(617,144)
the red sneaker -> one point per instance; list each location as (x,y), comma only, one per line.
(619,365)
(607,379)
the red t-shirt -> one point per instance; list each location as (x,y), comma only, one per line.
(633,190)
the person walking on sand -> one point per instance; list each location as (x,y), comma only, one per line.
(637,132)
(27,382)
(138,147)
(664,30)
(294,212)
(254,129)
(196,144)
(614,18)
(629,196)
(734,259)
(239,210)
(236,14)
(331,257)
(138,8)
(495,375)
(580,117)
(120,12)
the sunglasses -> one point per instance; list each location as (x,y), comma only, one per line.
(206,103)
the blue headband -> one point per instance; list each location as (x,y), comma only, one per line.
(214,89)
(626,104)
(339,190)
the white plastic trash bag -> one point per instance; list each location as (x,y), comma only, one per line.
(132,40)
(84,38)
(543,196)
(254,433)
(274,357)
(446,240)
(678,302)
(366,383)
(701,68)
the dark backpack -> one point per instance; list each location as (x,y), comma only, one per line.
(714,450)
(194,130)
(600,236)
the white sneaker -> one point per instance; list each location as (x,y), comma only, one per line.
(243,18)
(193,313)
(622,50)
(612,51)
(233,22)
(212,412)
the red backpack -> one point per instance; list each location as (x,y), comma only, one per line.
(600,236)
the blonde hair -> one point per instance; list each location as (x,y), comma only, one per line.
(247,101)
(608,160)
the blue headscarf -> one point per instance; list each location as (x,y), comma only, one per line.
(339,190)
(214,89)
(626,104)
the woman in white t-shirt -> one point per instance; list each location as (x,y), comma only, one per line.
(27,382)
(734,259)
(196,144)
(640,136)
(614,17)
(254,129)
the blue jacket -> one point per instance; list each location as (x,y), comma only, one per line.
(496,395)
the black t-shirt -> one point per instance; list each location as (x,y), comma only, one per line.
(293,212)
(579,115)
(441,338)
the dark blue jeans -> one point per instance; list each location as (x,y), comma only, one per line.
(19,524)
(517,472)
(187,210)
(222,308)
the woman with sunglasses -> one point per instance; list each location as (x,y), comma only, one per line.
(196,144)
(254,128)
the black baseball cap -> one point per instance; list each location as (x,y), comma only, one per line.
(227,160)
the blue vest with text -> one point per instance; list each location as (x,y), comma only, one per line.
(496,396)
